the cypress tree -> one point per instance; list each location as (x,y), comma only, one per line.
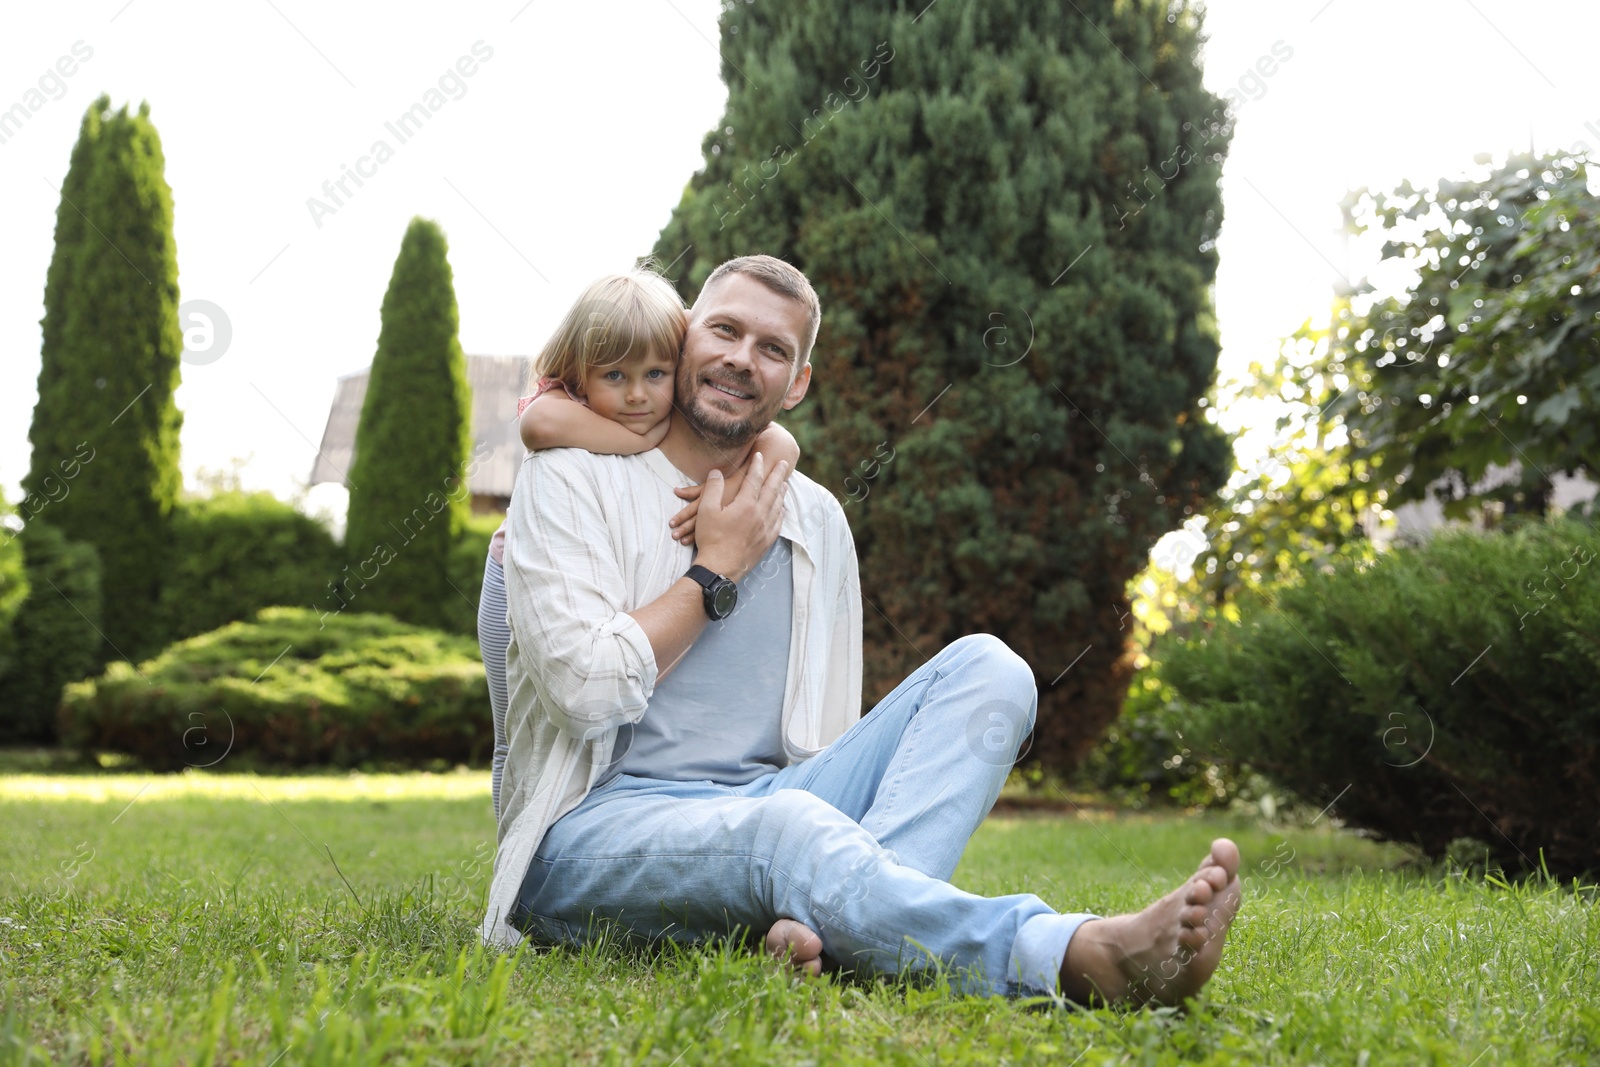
(54,408)
(104,469)
(408,493)
(1009,212)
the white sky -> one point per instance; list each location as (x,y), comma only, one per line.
(574,141)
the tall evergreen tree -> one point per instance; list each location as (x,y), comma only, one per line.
(408,497)
(1009,211)
(109,368)
(54,407)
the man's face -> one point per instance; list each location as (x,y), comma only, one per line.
(740,360)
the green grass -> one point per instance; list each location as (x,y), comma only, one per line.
(205,922)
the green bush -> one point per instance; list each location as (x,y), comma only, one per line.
(235,553)
(1148,758)
(467,554)
(292,687)
(13,590)
(54,637)
(1450,690)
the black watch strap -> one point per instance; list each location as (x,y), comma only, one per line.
(718,594)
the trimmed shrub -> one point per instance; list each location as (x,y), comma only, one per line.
(1147,758)
(467,554)
(235,553)
(290,688)
(1450,690)
(54,637)
(13,591)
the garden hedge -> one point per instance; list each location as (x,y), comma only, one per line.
(292,687)
(235,553)
(465,569)
(1450,690)
(13,589)
(54,636)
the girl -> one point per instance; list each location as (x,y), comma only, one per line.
(603,383)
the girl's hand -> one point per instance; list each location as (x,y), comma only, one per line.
(657,433)
(682,523)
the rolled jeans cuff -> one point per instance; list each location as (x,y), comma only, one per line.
(1039,950)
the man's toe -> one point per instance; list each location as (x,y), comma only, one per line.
(1225,854)
(792,940)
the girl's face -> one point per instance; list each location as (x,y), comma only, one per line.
(636,392)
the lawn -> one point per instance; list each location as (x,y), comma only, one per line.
(233,919)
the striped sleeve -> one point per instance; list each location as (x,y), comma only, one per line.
(590,663)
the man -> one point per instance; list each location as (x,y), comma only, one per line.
(686,757)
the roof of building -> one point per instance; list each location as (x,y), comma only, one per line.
(495,381)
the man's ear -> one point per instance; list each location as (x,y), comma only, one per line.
(797,391)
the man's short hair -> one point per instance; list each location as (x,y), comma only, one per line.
(782,278)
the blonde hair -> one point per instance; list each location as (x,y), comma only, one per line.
(617,315)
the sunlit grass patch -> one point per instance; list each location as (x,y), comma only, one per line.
(333,919)
(342,785)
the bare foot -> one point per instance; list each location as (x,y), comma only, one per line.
(1165,953)
(797,943)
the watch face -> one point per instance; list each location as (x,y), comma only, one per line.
(724,598)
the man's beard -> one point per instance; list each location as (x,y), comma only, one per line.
(716,426)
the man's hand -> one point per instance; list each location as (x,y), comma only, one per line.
(734,532)
(733,535)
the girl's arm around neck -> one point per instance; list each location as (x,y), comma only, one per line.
(777,445)
(555,420)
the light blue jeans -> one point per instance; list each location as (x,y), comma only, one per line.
(858,842)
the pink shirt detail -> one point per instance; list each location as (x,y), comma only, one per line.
(497,543)
(543,386)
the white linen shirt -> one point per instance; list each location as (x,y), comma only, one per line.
(588,542)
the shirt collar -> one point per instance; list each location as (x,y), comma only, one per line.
(794,524)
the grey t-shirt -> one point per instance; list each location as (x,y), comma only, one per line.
(718,716)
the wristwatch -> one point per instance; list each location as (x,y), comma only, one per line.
(719,594)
